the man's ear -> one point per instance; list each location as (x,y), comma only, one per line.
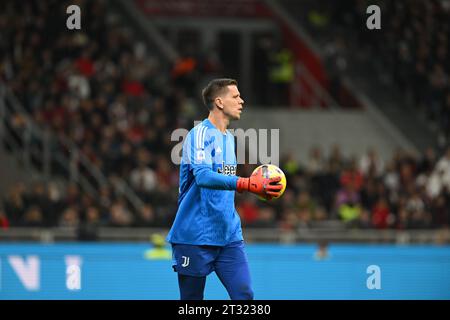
(219,103)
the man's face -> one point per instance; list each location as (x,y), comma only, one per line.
(232,103)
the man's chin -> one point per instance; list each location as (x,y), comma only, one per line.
(232,117)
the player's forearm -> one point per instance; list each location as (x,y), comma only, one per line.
(206,178)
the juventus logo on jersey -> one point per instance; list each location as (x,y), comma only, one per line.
(185,261)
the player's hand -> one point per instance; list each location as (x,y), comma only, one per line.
(259,185)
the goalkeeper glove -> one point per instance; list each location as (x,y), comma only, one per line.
(257,184)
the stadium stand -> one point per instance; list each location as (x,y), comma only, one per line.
(112,96)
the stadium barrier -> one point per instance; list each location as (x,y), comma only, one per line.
(251,235)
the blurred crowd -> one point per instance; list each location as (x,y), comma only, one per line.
(406,192)
(409,53)
(106,91)
(417,50)
(114,98)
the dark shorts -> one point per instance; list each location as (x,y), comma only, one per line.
(199,261)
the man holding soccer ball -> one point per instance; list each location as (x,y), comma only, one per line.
(206,235)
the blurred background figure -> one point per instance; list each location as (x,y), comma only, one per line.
(159,250)
(322,251)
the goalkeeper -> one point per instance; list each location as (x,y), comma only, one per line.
(206,235)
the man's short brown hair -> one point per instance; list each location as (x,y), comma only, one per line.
(215,88)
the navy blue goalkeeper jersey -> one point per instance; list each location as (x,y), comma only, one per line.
(206,213)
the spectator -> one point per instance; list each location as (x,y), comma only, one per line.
(349,212)
(347,195)
(320,214)
(371,165)
(120,215)
(89,228)
(146,217)
(15,204)
(316,162)
(352,176)
(289,220)
(248,211)
(70,217)
(159,250)
(322,251)
(143,179)
(266,218)
(369,194)
(4,222)
(32,217)
(441,210)
(364,220)
(381,215)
